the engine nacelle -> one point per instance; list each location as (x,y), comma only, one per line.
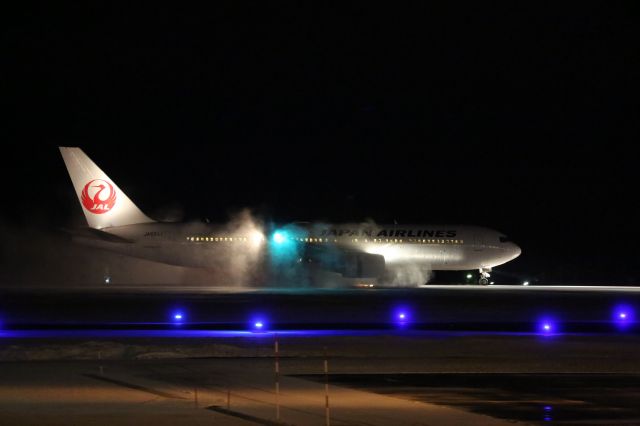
(363,265)
(350,264)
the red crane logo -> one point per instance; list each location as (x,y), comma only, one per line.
(94,197)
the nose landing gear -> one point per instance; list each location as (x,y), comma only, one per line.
(484,276)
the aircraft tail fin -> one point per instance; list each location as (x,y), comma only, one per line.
(103,203)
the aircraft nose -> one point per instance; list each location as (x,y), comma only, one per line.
(515,250)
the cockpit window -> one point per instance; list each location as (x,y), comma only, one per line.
(504,239)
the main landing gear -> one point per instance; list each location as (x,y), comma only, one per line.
(484,276)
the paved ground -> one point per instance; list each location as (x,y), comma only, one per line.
(376,379)
(160,393)
(564,398)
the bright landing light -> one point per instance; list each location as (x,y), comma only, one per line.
(256,237)
(278,237)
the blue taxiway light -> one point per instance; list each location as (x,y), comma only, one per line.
(258,326)
(623,316)
(547,326)
(623,313)
(258,323)
(401,316)
(547,409)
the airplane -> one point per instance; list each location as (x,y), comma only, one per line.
(364,250)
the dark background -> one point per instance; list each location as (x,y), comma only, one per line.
(522,118)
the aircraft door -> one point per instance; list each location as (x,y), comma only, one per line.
(443,254)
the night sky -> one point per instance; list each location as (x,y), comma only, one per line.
(521,118)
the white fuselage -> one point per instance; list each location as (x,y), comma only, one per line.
(441,247)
